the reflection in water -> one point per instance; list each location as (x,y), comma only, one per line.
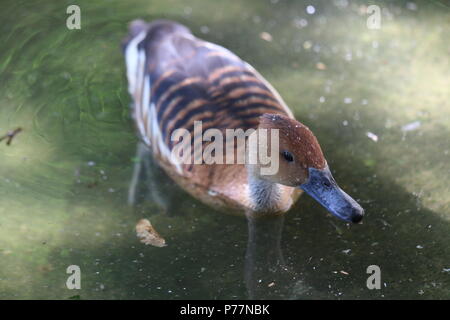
(265,268)
(146,173)
(266,274)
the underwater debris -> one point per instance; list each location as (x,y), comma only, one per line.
(321,66)
(10,136)
(266,36)
(148,235)
(347,251)
(310,9)
(411,126)
(372,136)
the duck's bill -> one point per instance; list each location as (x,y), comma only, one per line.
(324,189)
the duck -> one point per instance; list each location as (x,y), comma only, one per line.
(177,80)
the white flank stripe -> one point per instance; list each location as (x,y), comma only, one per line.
(158,140)
(131,58)
(139,87)
(141,118)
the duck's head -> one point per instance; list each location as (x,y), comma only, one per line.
(302,165)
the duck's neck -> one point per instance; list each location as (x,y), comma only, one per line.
(264,195)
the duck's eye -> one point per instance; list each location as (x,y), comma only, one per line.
(288,156)
(327,184)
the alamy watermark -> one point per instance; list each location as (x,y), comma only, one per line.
(74,20)
(74,280)
(374,20)
(374,281)
(235,146)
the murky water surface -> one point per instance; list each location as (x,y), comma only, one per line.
(378,101)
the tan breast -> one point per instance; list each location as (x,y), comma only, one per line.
(225,187)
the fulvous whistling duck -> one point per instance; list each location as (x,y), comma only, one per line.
(176,79)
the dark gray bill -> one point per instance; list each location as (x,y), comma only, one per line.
(324,189)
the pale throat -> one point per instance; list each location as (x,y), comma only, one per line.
(264,195)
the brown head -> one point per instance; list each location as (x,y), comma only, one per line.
(303,165)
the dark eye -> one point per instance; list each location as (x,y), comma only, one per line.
(326,184)
(288,156)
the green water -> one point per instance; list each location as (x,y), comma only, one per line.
(64,179)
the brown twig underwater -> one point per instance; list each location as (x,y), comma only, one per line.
(10,136)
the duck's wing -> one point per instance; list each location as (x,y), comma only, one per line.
(176,79)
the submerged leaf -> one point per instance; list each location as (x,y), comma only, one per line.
(266,36)
(148,235)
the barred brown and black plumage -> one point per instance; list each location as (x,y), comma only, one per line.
(186,79)
(176,79)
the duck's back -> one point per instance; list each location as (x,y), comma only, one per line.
(177,79)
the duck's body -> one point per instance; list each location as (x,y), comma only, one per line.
(185,80)
(176,79)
